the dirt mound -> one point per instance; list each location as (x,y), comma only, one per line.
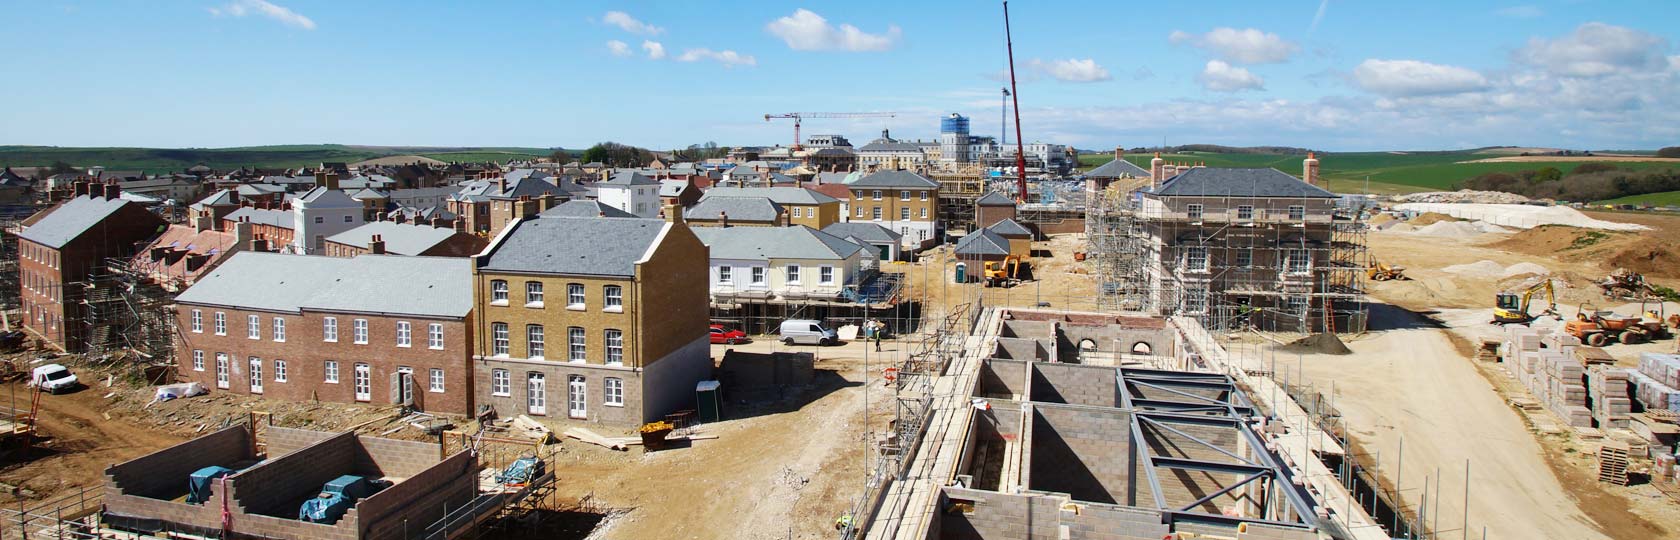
(1549,240)
(1524,268)
(1649,256)
(1645,253)
(1430,218)
(1464,196)
(1450,229)
(1482,268)
(1324,343)
(1380,219)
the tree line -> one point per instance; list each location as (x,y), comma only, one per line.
(1587,182)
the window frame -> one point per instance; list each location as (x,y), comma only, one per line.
(253,326)
(760,275)
(434,336)
(725,274)
(825,275)
(1297,212)
(405,334)
(613,296)
(198,321)
(329,329)
(533,294)
(498,292)
(279,329)
(501,382)
(361,382)
(329,372)
(359,331)
(197,360)
(535,346)
(280,371)
(614,358)
(1245,212)
(576,297)
(1196,259)
(1194,211)
(435,382)
(577,344)
(612,391)
(791,274)
(499,342)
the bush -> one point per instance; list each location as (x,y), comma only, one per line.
(1593,184)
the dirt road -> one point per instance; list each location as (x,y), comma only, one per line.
(78,440)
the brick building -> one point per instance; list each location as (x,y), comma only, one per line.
(398,238)
(371,329)
(592,318)
(488,204)
(902,201)
(803,206)
(63,245)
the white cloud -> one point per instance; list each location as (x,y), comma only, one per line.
(1318,16)
(618,48)
(807,31)
(1520,12)
(1596,49)
(655,50)
(629,24)
(241,8)
(1246,46)
(1414,78)
(1219,76)
(726,57)
(1071,70)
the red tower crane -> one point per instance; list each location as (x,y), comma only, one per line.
(798,117)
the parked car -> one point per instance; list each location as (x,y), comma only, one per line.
(53,378)
(728,336)
(808,332)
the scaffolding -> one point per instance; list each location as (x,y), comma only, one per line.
(125,310)
(1242,263)
(959,187)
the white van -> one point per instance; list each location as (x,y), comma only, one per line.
(807,332)
(53,378)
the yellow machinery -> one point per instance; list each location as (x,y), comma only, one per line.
(1512,308)
(1004,273)
(1384,272)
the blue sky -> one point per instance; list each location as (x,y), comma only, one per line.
(1331,74)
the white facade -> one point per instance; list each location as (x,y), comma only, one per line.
(320,214)
(641,200)
(786,277)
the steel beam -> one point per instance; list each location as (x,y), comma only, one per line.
(1208,466)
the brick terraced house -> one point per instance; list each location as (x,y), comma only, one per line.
(63,245)
(368,329)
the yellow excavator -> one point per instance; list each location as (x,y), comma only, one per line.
(1004,273)
(1385,272)
(1512,307)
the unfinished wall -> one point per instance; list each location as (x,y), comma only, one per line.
(1016,328)
(417,502)
(1075,384)
(1000,516)
(1022,349)
(278,486)
(1081,451)
(994,442)
(164,474)
(1115,338)
(390,457)
(1180,487)
(755,376)
(281,441)
(1104,521)
(1005,379)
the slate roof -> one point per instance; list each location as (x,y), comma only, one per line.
(993,198)
(427,286)
(400,238)
(778,195)
(1230,182)
(889,145)
(593,246)
(1116,169)
(895,179)
(277,218)
(983,242)
(258,190)
(629,178)
(671,188)
(69,220)
(585,209)
(1010,227)
(762,243)
(738,208)
(224,197)
(321,197)
(873,233)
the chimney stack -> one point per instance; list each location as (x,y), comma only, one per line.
(437,222)
(1157,170)
(113,191)
(326,179)
(460,225)
(501,184)
(79,188)
(260,243)
(203,222)
(1309,169)
(400,217)
(1119,153)
(377,245)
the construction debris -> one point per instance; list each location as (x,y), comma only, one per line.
(585,435)
(1627,285)
(531,429)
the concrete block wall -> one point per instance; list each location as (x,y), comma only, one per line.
(121,508)
(281,441)
(164,473)
(1075,385)
(1022,349)
(1001,516)
(1113,522)
(1181,487)
(1003,379)
(1027,329)
(274,487)
(419,500)
(391,457)
(260,526)
(1113,338)
(1082,451)
(1257,531)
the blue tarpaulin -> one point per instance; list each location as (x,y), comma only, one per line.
(198,485)
(326,508)
(520,471)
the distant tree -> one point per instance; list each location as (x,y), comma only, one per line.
(1589,168)
(1669,152)
(560,156)
(1546,174)
(597,153)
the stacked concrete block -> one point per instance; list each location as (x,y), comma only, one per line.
(1655,382)
(1545,364)
(1607,390)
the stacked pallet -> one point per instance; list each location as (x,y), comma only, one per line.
(1607,392)
(1613,463)
(1654,382)
(1547,366)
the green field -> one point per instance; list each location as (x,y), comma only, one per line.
(163,160)
(1387,172)
(1666,198)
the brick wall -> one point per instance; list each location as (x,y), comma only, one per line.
(1021,349)
(1000,516)
(281,441)
(164,473)
(277,486)
(556,376)
(1081,451)
(391,457)
(417,502)
(1075,384)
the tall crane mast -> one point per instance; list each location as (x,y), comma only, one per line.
(1015,93)
(799,117)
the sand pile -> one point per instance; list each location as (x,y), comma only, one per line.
(1524,268)
(1431,218)
(1450,229)
(1491,228)
(1324,343)
(1401,227)
(1379,219)
(1482,268)
(1520,215)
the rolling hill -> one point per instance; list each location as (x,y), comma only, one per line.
(161,160)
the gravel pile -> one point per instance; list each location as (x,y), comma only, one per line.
(1465,196)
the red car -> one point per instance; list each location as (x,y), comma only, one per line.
(728,336)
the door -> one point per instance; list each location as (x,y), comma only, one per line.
(364,382)
(221,370)
(886,253)
(405,385)
(256,375)
(536,394)
(576,397)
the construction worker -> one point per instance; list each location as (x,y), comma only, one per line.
(877,330)
(843,522)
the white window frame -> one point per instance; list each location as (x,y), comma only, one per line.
(329,371)
(197,321)
(614,295)
(535,346)
(253,326)
(405,334)
(279,370)
(198,360)
(859,211)
(1195,300)
(434,380)
(222,364)
(498,292)
(1196,259)
(359,331)
(434,336)
(1193,211)
(877,195)
(904,194)
(924,194)
(499,342)
(501,382)
(255,375)
(924,212)
(1245,212)
(280,329)
(875,213)
(612,391)
(758,275)
(575,297)
(1297,261)
(791,274)
(825,275)
(533,294)
(615,347)
(904,214)
(724,274)
(577,346)
(362,380)
(329,329)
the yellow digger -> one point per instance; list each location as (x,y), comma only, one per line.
(1385,272)
(1004,273)
(1510,308)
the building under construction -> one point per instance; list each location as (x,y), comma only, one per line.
(1232,248)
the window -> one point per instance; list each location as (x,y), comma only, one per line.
(498,292)
(359,331)
(793,274)
(405,334)
(723,274)
(758,275)
(575,349)
(1296,260)
(825,275)
(797,212)
(198,360)
(534,341)
(197,321)
(1195,300)
(331,370)
(1297,305)
(615,297)
(615,347)
(877,194)
(1245,212)
(1297,213)
(533,294)
(904,214)
(329,329)
(279,371)
(347,219)
(500,383)
(253,326)
(1196,259)
(279,329)
(1245,257)
(319,220)
(256,375)
(434,379)
(1193,211)
(221,370)
(614,394)
(434,336)
(860,211)
(363,382)
(574,296)
(924,213)
(875,213)
(904,195)
(499,339)
(924,195)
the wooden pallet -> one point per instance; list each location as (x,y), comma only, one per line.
(1663,415)
(1613,463)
